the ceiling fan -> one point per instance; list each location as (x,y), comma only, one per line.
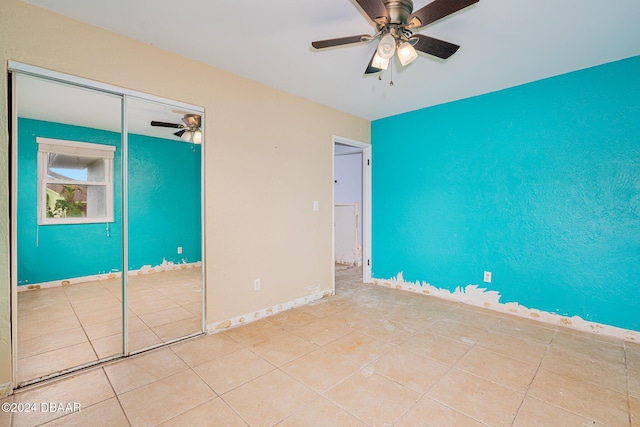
(395,22)
(189,131)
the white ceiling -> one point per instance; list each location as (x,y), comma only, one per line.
(345,150)
(503,43)
(52,101)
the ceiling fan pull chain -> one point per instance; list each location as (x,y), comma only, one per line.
(391,73)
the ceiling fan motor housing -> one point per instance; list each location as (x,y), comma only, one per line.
(192,120)
(399,10)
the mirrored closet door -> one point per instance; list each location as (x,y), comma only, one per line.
(68,226)
(164,207)
(106,220)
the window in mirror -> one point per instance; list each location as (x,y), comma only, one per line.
(75,182)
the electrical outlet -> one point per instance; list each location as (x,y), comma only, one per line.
(256,285)
(487,277)
(316,206)
(179,250)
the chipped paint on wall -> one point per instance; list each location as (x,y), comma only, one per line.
(266,312)
(165,266)
(146,269)
(481,297)
(5,389)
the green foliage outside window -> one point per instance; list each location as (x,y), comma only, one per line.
(68,207)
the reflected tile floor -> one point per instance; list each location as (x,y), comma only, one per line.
(68,326)
(368,356)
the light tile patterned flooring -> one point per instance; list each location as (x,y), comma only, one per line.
(68,326)
(367,356)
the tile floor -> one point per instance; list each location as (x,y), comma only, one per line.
(68,326)
(367,356)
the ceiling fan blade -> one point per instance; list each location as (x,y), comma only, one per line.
(370,68)
(376,10)
(166,125)
(180,133)
(339,41)
(435,11)
(434,47)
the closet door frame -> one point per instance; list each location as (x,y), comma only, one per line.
(17,68)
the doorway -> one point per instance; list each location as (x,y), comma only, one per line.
(106,224)
(352,205)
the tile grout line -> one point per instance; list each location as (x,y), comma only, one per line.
(116,395)
(626,371)
(221,396)
(567,376)
(526,393)
(162,379)
(589,382)
(423,329)
(89,369)
(304,407)
(66,298)
(476,344)
(318,397)
(276,368)
(451,367)
(323,394)
(81,325)
(218,396)
(131,358)
(420,395)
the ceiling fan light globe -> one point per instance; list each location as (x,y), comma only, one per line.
(197,137)
(387,46)
(187,136)
(380,62)
(406,53)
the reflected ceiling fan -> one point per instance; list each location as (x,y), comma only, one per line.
(189,131)
(395,22)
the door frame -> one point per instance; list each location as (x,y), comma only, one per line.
(365,208)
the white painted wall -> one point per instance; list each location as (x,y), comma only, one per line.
(348,188)
(346,239)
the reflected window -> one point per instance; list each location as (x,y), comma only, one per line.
(75,182)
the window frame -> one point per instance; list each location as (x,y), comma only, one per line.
(47,146)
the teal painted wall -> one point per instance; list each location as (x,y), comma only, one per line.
(164,208)
(539,184)
(55,252)
(164,201)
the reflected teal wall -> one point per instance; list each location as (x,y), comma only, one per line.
(54,252)
(164,206)
(539,184)
(164,201)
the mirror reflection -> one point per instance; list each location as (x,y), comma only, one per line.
(164,212)
(74,174)
(69,227)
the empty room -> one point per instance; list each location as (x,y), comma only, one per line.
(338,213)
